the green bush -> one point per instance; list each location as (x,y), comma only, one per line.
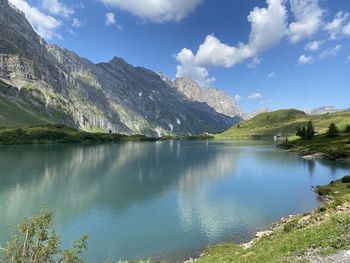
(290,225)
(322,209)
(324,190)
(35,241)
(346,179)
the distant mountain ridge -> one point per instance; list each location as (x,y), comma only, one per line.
(323,110)
(52,84)
(219,100)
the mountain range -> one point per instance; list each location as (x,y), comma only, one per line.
(43,83)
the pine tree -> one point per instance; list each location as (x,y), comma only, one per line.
(333,130)
(347,129)
(301,132)
(310,131)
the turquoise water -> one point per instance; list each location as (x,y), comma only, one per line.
(166,199)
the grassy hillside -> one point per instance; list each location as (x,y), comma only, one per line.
(284,122)
(58,134)
(14,115)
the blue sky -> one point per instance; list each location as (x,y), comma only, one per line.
(274,53)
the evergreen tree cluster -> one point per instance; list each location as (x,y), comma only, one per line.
(306,133)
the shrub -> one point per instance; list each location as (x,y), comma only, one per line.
(322,209)
(324,190)
(346,179)
(35,241)
(290,225)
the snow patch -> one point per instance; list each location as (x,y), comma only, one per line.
(171,127)
(140,94)
(178,121)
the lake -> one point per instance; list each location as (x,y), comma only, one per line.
(168,199)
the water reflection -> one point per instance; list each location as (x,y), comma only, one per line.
(165,198)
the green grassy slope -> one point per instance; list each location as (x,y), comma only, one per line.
(15,115)
(58,133)
(284,122)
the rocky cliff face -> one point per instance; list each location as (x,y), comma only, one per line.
(59,86)
(218,100)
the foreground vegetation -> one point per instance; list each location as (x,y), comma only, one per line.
(300,238)
(284,123)
(57,133)
(35,241)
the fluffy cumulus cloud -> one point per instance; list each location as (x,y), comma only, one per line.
(304,59)
(45,25)
(110,19)
(336,28)
(156,10)
(308,17)
(313,46)
(268,26)
(55,7)
(255,96)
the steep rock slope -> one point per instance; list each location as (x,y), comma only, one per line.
(56,85)
(220,101)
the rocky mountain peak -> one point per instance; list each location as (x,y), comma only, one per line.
(56,85)
(218,100)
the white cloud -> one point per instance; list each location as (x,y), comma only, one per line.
(55,7)
(43,24)
(254,63)
(110,19)
(268,27)
(304,59)
(336,28)
(271,75)
(308,19)
(331,52)
(158,11)
(313,46)
(346,29)
(188,67)
(237,98)
(255,96)
(77,23)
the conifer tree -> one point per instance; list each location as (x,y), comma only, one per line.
(333,130)
(310,131)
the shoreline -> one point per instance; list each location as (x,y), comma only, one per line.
(331,205)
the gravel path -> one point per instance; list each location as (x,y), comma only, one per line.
(342,256)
